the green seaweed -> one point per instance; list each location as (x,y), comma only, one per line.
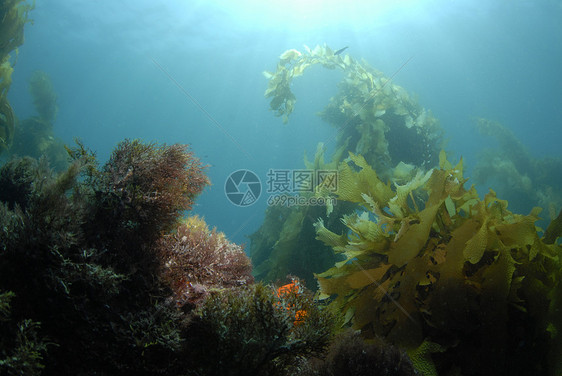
(35,138)
(285,244)
(6,125)
(554,230)
(431,241)
(21,349)
(379,119)
(374,118)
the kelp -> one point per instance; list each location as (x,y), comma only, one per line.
(554,230)
(377,118)
(522,178)
(44,96)
(13,17)
(431,262)
(367,82)
(35,136)
(285,243)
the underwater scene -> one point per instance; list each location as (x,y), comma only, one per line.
(297,187)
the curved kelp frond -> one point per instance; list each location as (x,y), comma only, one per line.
(378,119)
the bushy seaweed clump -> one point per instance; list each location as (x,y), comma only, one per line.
(140,194)
(78,250)
(236,327)
(258,331)
(21,349)
(197,261)
(351,354)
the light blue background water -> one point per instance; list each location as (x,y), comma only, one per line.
(500,60)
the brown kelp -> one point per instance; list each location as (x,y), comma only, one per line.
(375,118)
(285,243)
(434,269)
(44,96)
(523,179)
(35,135)
(379,119)
(13,17)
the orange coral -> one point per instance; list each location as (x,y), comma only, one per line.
(285,293)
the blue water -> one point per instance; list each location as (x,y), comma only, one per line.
(495,59)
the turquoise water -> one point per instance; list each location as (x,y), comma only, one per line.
(132,69)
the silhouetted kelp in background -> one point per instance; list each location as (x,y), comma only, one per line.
(13,16)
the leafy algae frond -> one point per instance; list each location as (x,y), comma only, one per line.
(428,261)
(377,118)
